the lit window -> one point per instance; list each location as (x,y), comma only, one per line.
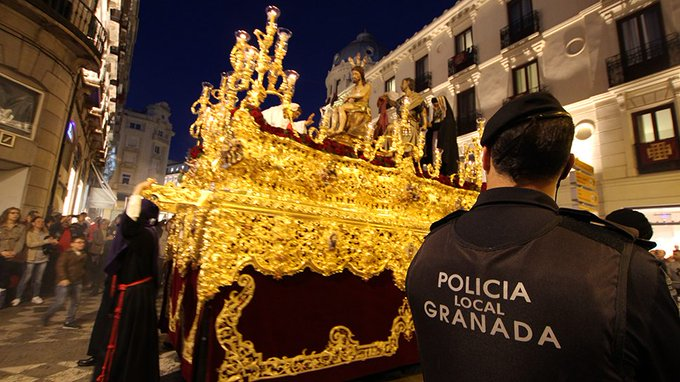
(464,41)
(525,78)
(391,85)
(656,138)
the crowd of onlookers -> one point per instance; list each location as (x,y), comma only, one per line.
(31,245)
(38,256)
(672,264)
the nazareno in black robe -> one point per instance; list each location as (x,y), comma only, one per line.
(134,257)
(444,125)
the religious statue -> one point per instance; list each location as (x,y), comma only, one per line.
(353,115)
(277,116)
(417,113)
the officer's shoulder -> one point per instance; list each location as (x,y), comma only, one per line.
(594,227)
(446,219)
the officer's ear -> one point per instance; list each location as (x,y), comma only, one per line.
(486,159)
(567,167)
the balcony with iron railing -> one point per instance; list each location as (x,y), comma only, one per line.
(644,60)
(523,27)
(423,81)
(462,60)
(77,17)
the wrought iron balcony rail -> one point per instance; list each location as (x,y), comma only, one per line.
(463,60)
(79,18)
(644,60)
(519,29)
(423,81)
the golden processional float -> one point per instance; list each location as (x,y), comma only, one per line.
(290,251)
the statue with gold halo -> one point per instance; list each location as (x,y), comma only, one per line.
(352,117)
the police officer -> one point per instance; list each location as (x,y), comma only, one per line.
(518,290)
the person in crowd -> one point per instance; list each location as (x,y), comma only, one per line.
(628,218)
(70,271)
(96,254)
(12,240)
(29,218)
(36,259)
(636,220)
(55,230)
(65,236)
(517,289)
(124,341)
(673,266)
(54,226)
(276,116)
(83,225)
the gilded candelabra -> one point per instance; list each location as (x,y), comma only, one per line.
(219,111)
(470,167)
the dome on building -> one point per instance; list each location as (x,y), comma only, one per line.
(365,45)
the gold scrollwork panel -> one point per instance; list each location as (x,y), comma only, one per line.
(282,245)
(242,361)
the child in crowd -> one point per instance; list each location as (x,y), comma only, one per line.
(70,270)
(36,259)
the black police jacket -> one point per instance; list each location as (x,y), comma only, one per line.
(517,290)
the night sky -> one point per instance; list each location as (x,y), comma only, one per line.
(182,43)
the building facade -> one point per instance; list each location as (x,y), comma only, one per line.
(614,64)
(141,151)
(174,172)
(61,78)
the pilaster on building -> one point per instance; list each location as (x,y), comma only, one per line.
(64,70)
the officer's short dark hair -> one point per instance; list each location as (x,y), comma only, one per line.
(537,149)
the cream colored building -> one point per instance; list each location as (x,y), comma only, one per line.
(64,66)
(142,150)
(614,64)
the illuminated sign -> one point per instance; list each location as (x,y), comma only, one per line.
(71,130)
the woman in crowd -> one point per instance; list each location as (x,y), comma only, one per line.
(96,253)
(12,239)
(36,259)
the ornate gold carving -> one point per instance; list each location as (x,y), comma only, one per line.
(255,198)
(243,362)
(174,311)
(658,151)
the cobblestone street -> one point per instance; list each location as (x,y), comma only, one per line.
(32,352)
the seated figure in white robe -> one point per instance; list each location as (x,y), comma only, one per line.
(276,117)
